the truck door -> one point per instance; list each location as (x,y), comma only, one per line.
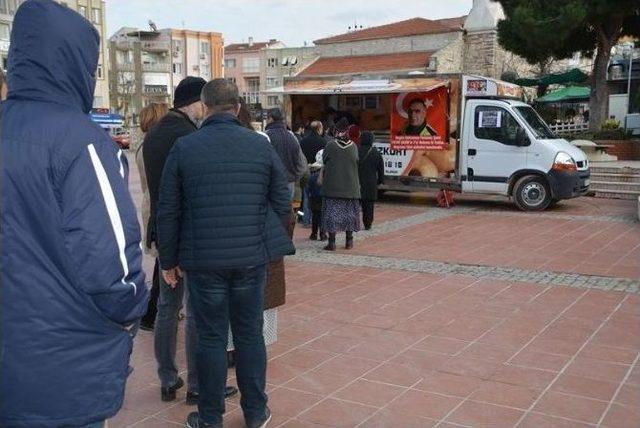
(491,154)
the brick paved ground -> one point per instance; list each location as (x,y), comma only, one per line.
(477,316)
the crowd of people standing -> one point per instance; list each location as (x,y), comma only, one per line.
(217,218)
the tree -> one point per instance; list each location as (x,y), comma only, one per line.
(542,30)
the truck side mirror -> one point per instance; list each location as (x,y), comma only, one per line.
(522,140)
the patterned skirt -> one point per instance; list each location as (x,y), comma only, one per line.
(269,330)
(340,215)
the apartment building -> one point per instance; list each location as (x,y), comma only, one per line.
(278,63)
(244,64)
(147,65)
(94,11)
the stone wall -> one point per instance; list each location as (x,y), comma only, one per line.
(480,53)
(429,42)
(625,150)
(450,58)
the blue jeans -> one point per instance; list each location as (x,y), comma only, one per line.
(218,298)
(306,208)
(166,336)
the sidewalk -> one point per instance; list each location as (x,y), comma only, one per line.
(475,316)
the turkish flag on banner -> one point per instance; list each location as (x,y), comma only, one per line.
(419,120)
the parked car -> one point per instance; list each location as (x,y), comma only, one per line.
(122,139)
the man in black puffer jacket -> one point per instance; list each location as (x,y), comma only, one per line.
(222,213)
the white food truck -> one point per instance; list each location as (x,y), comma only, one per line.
(469,134)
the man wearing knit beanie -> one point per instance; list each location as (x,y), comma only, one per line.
(188,110)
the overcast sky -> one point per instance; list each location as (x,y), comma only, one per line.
(291,21)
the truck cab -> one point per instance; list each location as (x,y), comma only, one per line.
(507,149)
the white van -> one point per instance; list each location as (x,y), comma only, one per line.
(489,141)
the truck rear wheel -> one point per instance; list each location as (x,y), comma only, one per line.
(532,193)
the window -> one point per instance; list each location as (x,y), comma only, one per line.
(205,71)
(177,44)
(272,100)
(82,10)
(252,95)
(272,82)
(96,14)
(272,62)
(204,48)
(251,65)
(5,31)
(177,68)
(229,63)
(100,72)
(497,124)
(371,102)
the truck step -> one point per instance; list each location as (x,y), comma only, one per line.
(614,186)
(616,194)
(615,177)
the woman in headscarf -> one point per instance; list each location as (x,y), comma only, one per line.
(341,187)
(371,173)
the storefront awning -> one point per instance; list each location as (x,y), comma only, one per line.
(319,86)
(568,94)
(572,76)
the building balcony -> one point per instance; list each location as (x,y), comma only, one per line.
(158,67)
(155,46)
(125,66)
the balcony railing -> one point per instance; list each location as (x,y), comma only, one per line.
(159,67)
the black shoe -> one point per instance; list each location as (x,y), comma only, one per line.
(194,421)
(367,227)
(349,244)
(323,237)
(331,246)
(230,391)
(313,237)
(169,394)
(144,326)
(262,422)
(193,397)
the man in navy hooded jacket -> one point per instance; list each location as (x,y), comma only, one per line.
(72,282)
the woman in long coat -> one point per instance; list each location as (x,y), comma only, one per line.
(371,173)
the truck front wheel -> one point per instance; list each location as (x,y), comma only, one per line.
(532,193)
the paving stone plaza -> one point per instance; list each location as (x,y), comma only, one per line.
(475,316)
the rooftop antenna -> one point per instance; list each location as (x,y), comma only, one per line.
(153,26)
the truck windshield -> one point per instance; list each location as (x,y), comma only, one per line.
(536,123)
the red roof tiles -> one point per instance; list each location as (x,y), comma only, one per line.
(410,27)
(367,63)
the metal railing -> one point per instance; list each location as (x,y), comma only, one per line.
(162,67)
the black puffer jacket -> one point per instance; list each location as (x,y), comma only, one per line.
(156,147)
(224,201)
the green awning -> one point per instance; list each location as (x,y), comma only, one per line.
(572,76)
(570,93)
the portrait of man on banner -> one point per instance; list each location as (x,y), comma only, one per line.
(419,120)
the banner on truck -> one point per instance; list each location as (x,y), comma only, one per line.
(419,120)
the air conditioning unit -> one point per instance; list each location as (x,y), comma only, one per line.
(203,56)
(294,60)
(285,62)
(176,54)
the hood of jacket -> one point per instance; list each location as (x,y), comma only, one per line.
(53,55)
